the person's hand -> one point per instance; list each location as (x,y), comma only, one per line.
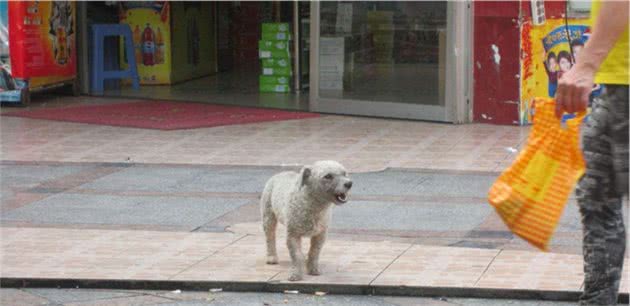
(574,89)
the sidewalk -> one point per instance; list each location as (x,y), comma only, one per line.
(360,144)
(176,260)
(67,221)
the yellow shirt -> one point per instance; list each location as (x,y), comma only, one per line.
(614,69)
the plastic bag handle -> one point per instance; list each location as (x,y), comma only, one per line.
(573,124)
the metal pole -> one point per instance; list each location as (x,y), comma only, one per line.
(83,70)
(297,53)
(314,58)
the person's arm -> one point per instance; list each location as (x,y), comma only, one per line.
(575,86)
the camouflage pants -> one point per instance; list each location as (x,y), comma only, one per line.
(600,193)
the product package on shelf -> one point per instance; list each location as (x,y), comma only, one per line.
(276,31)
(275,55)
(273,49)
(270,83)
(276,66)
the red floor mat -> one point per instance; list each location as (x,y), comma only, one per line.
(162,115)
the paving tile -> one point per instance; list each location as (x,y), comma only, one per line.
(103,254)
(221,266)
(437,266)
(429,216)
(112,254)
(347,262)
(364,144)
(70,208)
(534,270)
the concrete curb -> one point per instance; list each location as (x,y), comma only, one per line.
(306,288)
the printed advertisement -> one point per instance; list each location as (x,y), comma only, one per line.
(4,32)
(42,40)
(549,50)
(150,24)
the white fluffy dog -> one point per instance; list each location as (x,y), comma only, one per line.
(302,202)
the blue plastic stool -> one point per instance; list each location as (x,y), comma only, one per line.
(99,74)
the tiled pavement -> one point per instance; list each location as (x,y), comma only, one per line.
(44,253)
(362,144)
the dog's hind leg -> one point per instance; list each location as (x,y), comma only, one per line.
(312,263)
(270,223)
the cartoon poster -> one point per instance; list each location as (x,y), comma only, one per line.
(42,41)
(150,24)
(548,51)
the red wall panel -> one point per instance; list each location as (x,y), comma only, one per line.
(553,9)
(496,62)
(497,8)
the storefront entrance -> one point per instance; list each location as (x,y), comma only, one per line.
(393,59)
(389,59)
(213,52)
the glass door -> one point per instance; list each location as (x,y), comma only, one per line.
(384,58)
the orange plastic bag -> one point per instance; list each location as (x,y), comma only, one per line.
(532,193)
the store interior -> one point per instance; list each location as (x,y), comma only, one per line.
(220,63)
(385,51)
(393,51)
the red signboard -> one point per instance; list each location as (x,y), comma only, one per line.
(42,39)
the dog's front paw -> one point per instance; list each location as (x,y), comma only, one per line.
(295,277)
(313,271)
(272,260)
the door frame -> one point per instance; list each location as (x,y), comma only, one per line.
(458,81)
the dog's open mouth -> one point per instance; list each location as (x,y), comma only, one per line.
(341,198)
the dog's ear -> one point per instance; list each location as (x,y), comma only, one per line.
(305,173)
